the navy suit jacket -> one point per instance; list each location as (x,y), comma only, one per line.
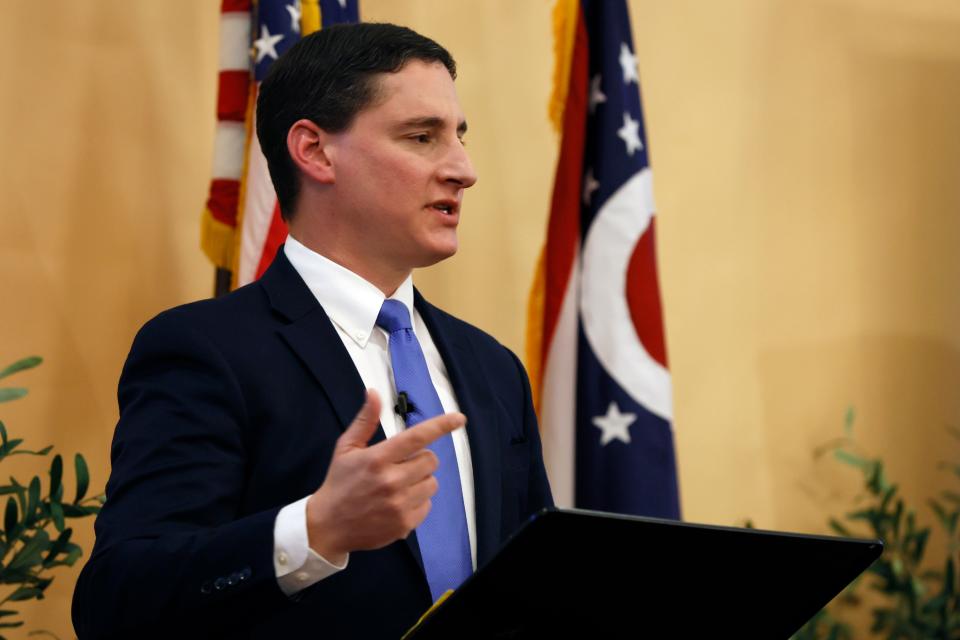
(229,410)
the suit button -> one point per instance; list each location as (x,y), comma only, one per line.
(233,579)
(206,587)
(282,558)
(220,584)
(245,573)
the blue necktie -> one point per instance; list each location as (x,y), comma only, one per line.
(443,538)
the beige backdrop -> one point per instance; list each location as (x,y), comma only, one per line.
(806,159)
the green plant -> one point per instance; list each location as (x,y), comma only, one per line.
(824,626)
(915,601)
(35,537)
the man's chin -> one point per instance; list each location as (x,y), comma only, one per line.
(438,255)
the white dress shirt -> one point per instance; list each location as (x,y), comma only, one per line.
(353,304)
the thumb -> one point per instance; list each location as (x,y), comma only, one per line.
(360,431)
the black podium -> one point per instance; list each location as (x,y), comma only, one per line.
(571,573)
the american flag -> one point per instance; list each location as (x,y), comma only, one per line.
(598,353)
(242,228)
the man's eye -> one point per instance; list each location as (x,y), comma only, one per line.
(422,138)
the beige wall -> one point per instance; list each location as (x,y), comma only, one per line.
(806,159)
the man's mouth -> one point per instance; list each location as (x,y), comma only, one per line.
(447,207)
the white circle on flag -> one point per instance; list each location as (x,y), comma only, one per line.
(607,322)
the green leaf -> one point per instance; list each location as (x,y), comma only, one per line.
(83,477)
(73,554)
(897,517)
(848,420)
(21,365)
(935,603)
(887,496)
(896,565)
(872,516)
(59,546)
(56,474)
(56,512)
(9,446)
(7,612)
(29,554)
(42,452)
(10,519)
(6,625)
(3,433)
(919,545)
(949,577)
(850,458)
(77,511)
(838,527)
(877,481)
(25,593)
(22,498)
(12,393)
(33,500)
(948,522)
(915,586)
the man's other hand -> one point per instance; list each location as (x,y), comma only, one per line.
(375,495)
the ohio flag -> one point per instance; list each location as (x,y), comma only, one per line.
(595,338)
(241,226)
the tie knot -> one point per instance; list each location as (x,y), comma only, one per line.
(393,316)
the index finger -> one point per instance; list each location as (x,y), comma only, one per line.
(409,441)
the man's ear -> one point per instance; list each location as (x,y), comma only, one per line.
(307,146)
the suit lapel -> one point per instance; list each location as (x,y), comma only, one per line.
(476,402)
(313,338)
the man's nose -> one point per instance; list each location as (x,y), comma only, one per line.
(458,168)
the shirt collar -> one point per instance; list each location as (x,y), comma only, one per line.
(351,302)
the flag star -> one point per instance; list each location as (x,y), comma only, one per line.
(266,44)
(294,11)
(630,133)
(596,96)
(628,62)
(343,4)
(590,185)
(614,425)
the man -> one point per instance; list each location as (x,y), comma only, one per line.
(253,493)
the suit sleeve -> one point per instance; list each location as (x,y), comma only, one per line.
(173,551)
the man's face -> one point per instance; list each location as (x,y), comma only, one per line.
(400,171)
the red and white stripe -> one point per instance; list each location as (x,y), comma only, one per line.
(262,229)
(228,148)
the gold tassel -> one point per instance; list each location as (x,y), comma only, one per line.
(565,14)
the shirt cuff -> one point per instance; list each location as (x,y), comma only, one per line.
(296,565)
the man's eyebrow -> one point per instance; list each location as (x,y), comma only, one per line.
(431,122)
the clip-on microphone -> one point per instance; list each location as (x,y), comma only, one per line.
(403,407)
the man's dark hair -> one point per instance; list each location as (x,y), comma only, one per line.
(328,77)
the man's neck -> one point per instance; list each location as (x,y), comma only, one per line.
(386,280)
